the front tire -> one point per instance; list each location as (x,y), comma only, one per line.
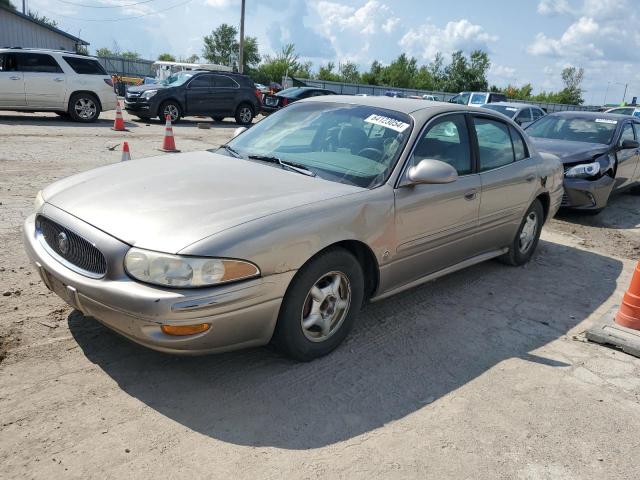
(172,109)
(320,306)
(84,107)
(244,114)
(526,240)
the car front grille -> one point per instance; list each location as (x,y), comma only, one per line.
(72,248)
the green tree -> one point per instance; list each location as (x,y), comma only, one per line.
(572,93)
(349,72)
(221,44)
(372,77)
(436,71)
(251,54)
(82,49)
(104,52)
(400,72)
(423,80)
(129,55)
(285,62)
(42,19)
(467,74)
(166,57)
(7,4)
(326,73)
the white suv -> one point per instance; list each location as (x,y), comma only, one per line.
(51,80)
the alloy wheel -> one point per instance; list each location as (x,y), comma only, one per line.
(326,306)
(85,108)
(528,232)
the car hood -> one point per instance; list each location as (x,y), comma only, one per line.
(568,151)
(169,202)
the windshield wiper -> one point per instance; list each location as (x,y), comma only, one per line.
(296,167)
(231,150)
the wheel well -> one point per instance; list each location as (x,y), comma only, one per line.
(85,91)
(546,202)
(367,261)
(248,104)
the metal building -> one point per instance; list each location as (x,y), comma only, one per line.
(19,30)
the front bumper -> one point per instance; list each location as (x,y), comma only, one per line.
(241,315)
(583,194)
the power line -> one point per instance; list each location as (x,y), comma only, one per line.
(104,6)
(120,19)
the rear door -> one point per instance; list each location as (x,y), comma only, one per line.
(435,224)
(44,81)
(508,176)
(11,82)
(199,96)
(627,159)
(225,91)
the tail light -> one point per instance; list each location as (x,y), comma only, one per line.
(285,101)
(259,95)
(108,81)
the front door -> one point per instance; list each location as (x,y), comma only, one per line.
(44,81)
(200,95)
(509,179)
(435,224)
(11,82)
(627,159)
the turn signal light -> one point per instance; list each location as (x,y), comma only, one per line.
(182,330)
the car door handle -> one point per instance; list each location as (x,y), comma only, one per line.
(58,79)
(470,194)
(15,78)
(530,178)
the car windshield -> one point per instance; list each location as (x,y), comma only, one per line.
(176,79)
(577,129)
(503,109)
(352,144)
(462,99)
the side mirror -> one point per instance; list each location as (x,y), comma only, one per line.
(629,144)
(433,172)
(238,131)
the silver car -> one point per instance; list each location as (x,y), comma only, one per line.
(281,234)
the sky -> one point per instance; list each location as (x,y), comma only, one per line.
(529,41)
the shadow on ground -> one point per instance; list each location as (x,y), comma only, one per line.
(404,353)
(51,120)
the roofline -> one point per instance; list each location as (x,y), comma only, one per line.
(48,27)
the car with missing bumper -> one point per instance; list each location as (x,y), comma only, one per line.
(600,153)
(284,232)
(217,94)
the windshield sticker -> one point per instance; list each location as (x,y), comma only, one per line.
(511,109)
(606,120)
(387,122)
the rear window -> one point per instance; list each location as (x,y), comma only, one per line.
(85,66)
(590,130)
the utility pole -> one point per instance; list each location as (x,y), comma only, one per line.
(241,66)
(24,7)
(625,93)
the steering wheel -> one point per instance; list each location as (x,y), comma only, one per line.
(370,152)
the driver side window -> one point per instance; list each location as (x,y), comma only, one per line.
(447,140)
(627,134)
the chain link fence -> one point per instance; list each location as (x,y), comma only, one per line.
(127,67)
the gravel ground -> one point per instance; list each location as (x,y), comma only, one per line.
(482,374)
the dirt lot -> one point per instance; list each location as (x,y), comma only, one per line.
(482,374)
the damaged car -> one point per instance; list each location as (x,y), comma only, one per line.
(284,232)
(600,153)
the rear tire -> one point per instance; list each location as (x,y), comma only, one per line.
(526,240)
(244,114)
(84,107)
(320,306)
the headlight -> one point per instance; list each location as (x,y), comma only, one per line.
(148,94)
(583,170)
(38,202)
(185,272)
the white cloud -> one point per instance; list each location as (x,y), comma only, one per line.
(554,7)
(220,3)
(579,40)
(428,39)
(355,32)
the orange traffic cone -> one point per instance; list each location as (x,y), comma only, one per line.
(629,313)
(168,144)
(118,123)
(125,152)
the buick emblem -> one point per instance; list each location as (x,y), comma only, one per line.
(63,243)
